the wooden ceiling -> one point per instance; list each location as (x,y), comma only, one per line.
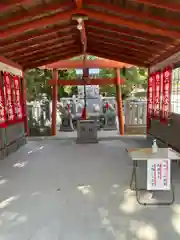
(138,32)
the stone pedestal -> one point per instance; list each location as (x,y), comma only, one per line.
(87,131)
(110,121)
(66,124)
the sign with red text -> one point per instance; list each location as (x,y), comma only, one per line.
(158,174)
(2,109)
(157,95)
(166,94)
(17,99)
(9,98)
(150,100)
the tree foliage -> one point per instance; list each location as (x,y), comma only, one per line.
(37,81)
(133,78)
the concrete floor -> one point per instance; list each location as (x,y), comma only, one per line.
(57,190)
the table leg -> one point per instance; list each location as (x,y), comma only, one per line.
(133,178)
(138,190)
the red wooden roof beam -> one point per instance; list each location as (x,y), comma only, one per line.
(96,63)
(113,39)
(130,32)
(115,57)
(40,44)
(118,20)
(46,60)
(53,51)
(132,13)
(41,50)
(6,6)
(172,6)
(36,11)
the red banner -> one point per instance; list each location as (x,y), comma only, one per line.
(2,108)
(157,95)
(9,98)
(17,99)
(166,94)
(150,100)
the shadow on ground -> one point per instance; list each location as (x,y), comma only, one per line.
(62,191)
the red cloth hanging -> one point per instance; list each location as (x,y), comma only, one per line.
(9,98)
(83,115)
(166,94)
(2,109)
(18,103)
(150,100)
(107,106)
(68,108)
(157,95)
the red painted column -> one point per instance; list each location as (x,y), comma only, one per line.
(119,103)
(54,101)
(24,95)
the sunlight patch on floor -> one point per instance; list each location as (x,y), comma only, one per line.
(176,218)
(86,190)
(3,181)
(105,222)
(8,201)
(143,231)
(129,205)
(20,164)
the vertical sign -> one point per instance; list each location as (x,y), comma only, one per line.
(157,95)
(166,94)
(9,98)
(17,99)
(150,100)
(2,104)
(158,174)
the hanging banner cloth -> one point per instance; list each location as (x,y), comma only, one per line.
(166,94)
(17,99)
(2,105)
(9,103)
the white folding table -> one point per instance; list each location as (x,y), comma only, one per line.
(145,154)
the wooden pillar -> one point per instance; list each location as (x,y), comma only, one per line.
(119,103)
(24,96)
(54,101)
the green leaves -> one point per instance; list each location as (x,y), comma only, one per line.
(37,81)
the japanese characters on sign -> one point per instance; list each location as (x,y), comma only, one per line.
(17,99)
(150,100)
(166,94)
(2,108)
(9,98)
(158,174)
(157,95)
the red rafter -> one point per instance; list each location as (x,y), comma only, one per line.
(48,60)
(34,35)
(41,50)
(39,45)
(132,13)
(53,51)
(117,52)
(6,6)
(112,38)
(115,46)
(79,3)
(121,40)
(172,6)
(34,13)
(117,20)
(130,33)
(116,57)
(34,40)
(38,23)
